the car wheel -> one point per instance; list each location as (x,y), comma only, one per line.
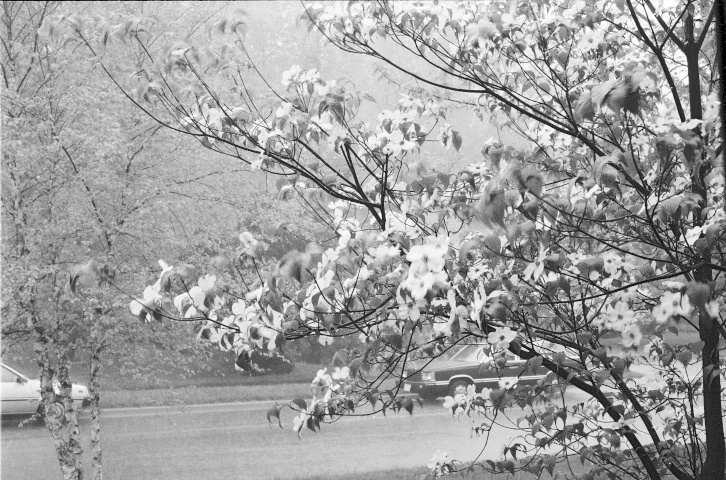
(456,384)
(429,395)
(55,409)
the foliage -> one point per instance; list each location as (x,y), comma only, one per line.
(610,224)
(86,176)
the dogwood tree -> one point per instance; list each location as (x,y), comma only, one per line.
(608,225)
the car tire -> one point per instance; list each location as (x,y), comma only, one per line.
(58,406)
(453,386)
(428,395)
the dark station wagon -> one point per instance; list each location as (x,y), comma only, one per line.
(442,377)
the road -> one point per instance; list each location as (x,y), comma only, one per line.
(235,441)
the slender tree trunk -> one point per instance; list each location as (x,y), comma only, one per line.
(94,391)
(70,419)
(720,27)
(714,468)
(60,417)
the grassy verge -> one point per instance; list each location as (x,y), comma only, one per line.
(397,474)
(224,376)
(418,473)
(283,390)
(194,395)
(150,372)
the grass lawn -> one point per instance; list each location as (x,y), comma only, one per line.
(398,474)
(199,395)
(244,389)
(165,388)
(164,379)
(419,472)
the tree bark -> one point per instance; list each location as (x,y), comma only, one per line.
(714,468)
(94,391)
(60,417)
(720,27)
(72,435)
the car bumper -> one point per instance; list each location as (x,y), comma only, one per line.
(426,389)
(441,388)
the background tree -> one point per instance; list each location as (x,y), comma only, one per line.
(610,225)
(85,175)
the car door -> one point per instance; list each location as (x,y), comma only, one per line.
(515,367)
(17,394)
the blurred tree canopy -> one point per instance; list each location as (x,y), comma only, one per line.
(609,223)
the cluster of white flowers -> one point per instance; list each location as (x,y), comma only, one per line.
(620,318)
(426,274)
(383,253)
(501,337)
(192,302)
(297,74)
(439,463)
(327,389)
(672,304)
(466,398)
(427,267)
(612,263)
(616,317)
(325,384)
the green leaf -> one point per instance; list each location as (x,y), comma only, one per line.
(685,357)
(300,403)
(274,411)
(393,339)
(599,92)
(407,404)
(549,464)
(585,454)
(456,140)
(584,109)
(517,446)
(497,396)
(600,376)
(533,364)
(698,293)
(313,423)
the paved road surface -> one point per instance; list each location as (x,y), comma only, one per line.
(235,441)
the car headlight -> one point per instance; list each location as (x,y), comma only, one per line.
(428,376)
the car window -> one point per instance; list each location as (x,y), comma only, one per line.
(470,353)
(8,376)
(512,357)
(475,353)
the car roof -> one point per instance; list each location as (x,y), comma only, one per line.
(478,346)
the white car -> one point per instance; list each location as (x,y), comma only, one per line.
(21,395)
